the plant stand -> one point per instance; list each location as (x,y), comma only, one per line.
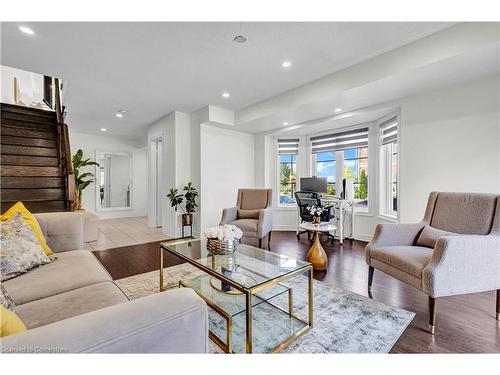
(190,229)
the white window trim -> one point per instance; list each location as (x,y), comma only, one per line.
(385,186)
(281,206)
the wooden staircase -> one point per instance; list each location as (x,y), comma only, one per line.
(35,159)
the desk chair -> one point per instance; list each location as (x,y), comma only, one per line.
(306,199)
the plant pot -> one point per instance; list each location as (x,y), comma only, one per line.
(187,219)
(215,246)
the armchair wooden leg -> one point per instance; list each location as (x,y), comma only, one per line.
(269,241)
(260,243)
(498,304)
(371,270)
(432,314)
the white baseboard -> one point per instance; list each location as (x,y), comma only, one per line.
(283,228)
(293,228)
(363,237)
(169,233)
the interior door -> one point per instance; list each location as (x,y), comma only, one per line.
(158,179)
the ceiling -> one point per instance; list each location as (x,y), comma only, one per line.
(151,69)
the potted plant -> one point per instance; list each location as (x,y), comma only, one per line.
(315,213)
(175,198)
(190,194)
(81,180)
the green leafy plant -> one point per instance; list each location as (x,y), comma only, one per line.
(175,198)
(190,194)
(81,180)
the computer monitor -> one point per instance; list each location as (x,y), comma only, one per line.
(316,184)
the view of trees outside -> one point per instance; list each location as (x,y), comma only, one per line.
(326,167)
(288,178)
(394,175)
(356,167)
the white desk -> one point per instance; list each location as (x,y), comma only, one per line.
(340,207)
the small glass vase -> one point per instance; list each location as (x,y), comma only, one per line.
(316,219)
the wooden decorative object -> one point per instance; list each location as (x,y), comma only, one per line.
(317,256)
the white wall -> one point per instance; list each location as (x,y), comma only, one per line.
(175,131)
(164,129)
(227,164)
(89,144)
(450,141)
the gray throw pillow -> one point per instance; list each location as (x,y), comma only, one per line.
(248,214)
(429,236)
(20,249)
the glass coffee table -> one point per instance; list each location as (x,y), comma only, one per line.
(241,289)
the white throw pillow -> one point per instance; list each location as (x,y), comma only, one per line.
(20,249)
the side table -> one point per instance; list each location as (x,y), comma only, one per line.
(316,254)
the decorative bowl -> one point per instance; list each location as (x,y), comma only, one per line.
(215,246)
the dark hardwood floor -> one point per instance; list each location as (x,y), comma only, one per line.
(464,324)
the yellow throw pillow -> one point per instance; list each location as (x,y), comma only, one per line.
(32,222)
(10,323)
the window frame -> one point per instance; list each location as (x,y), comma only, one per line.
(277,184)
(339,164)
(357,208)
(386,208)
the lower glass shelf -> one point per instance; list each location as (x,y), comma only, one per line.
(270,328)
(272,322)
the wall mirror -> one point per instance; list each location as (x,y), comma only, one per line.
(113,181)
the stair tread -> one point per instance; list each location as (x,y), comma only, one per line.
(15,131)
(5,107)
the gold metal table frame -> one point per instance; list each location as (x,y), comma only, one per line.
(249,295)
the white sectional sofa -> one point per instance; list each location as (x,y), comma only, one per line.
(72,305)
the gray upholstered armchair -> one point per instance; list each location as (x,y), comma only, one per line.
(253,214)
(454,250)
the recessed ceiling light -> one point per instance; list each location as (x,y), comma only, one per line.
(121,112)
(286,64)
(225,95)
(104,129)
(26,30)
(337,110)
(285,123)
(240,39)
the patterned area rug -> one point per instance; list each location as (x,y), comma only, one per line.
(344,322)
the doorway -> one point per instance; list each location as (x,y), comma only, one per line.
(157,150)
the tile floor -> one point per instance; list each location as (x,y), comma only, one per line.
(124,232)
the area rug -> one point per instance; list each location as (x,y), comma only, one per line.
(344,322)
